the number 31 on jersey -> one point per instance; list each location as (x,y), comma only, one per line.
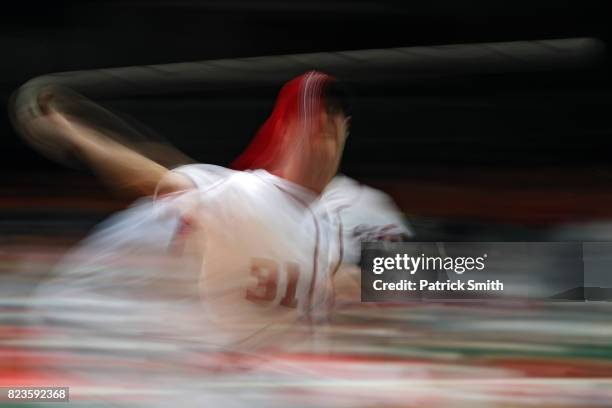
(266,273)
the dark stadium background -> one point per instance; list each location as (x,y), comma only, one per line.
(503,151)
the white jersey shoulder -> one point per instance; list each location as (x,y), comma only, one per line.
(367,214)
(204,175)
(244,247)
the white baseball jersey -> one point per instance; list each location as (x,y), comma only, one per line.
(268,253)
(272,247)
(262,250)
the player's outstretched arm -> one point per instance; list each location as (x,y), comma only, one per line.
(123,170)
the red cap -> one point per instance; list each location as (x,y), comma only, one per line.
(299,103)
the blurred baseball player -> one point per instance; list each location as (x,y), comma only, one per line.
(268,236)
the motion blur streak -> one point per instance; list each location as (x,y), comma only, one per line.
(136,353)
(408,63)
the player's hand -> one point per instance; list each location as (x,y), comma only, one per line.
(49,131)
